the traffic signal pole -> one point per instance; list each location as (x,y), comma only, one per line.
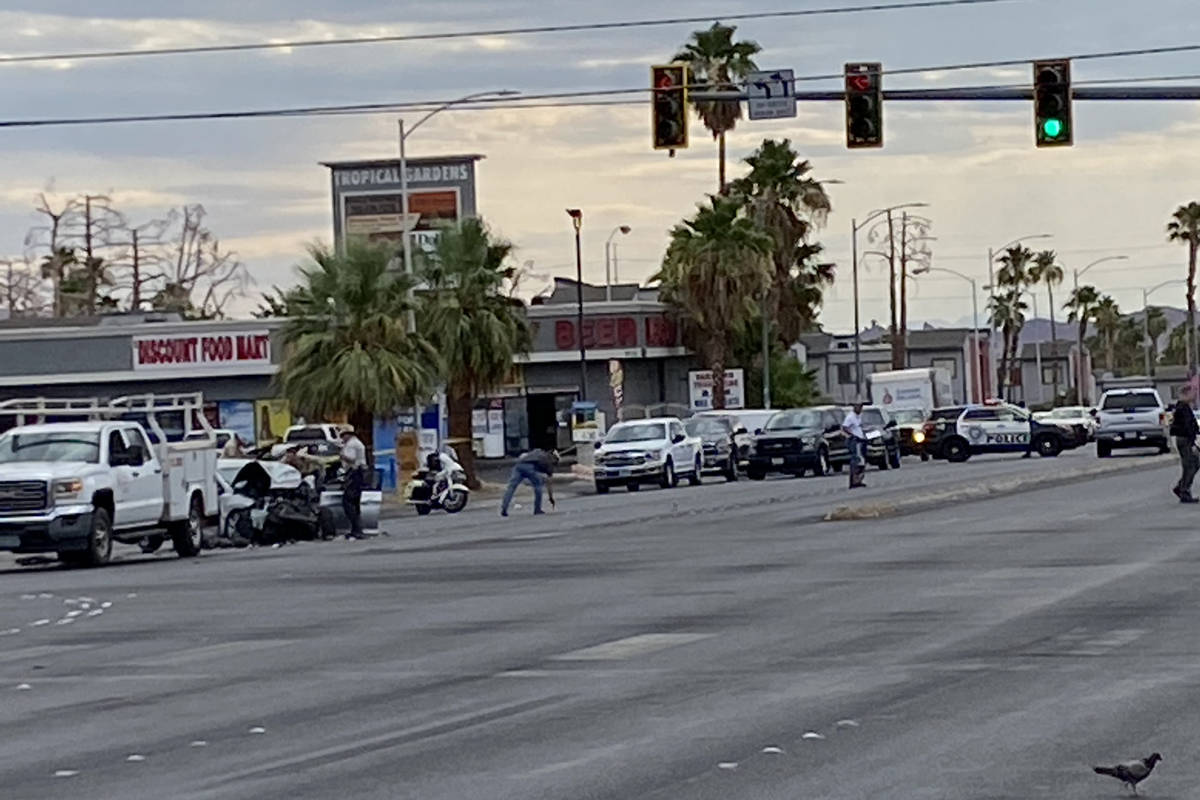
(1078,93)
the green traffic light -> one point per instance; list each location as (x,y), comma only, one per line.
(1052,128)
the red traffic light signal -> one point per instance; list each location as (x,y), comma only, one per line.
(864,105)
(668,106)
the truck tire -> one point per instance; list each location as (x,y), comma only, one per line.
(756,474)
(100,543)
(669,479)
(696,477)
(188,535)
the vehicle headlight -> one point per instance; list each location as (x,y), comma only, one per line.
(68,489)
(810,441)
(653,455)
(918,436)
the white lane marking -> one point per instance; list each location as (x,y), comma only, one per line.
(209,652)
(257,731)
(23,687)
(198,743)
(727,765)
(10,632)
(136,757)
(631,646)
(812,735)
(39,623)
(532,537)
(773,751)
(66,773)
(847,723)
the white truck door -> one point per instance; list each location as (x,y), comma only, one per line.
(138,485)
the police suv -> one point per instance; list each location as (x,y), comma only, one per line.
(959,432)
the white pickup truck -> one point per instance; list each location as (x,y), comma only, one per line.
(75,487)
(1128,418)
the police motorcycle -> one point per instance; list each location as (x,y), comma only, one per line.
(442,484)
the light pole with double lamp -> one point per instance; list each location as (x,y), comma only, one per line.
(855,227)
(609,247)
(1146,318)
(976,373)
(404,134)
(1080,378)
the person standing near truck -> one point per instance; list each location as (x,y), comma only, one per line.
(354,467)
(1185,429)
(857,440)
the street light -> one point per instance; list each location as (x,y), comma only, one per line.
(1146,317)
(855,227)
(975,372)
(609,265)
(576,216)
(404,134)
(1079,376)
(991,287)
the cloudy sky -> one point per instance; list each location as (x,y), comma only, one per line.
(1112,193)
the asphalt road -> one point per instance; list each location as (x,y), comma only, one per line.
(731,647)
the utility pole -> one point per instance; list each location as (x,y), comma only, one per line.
(903,340)
(892,286)
(135,303)
(857,323)
(576,216)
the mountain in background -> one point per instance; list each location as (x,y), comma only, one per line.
(1038,330)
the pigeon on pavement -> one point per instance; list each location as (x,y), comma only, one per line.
(1131,773)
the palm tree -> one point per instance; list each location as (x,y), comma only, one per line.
(478,329)
(1108,324)
(1008,316)
(715,271)
(348,351)
(1082,307)
(788,204)
(717,64)
(1185,227)
(1047,270)
(1013,277)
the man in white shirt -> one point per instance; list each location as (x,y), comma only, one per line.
(354,465)
(857,441)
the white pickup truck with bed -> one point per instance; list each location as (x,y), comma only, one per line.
(75,487)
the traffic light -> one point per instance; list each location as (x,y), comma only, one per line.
(864,106)
(668,106)
(1052,103)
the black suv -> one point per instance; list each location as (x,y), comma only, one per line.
(800,440)
(717,436)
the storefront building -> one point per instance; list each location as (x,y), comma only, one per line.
(233,363)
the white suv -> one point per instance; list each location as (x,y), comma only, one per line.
(641,451)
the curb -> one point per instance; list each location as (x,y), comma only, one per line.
(989,490)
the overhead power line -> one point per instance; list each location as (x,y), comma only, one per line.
(433,36)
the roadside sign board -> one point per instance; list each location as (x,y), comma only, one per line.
(772,94)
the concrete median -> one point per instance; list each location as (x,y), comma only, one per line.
(994,487)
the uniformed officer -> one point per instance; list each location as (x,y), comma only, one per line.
(1184,429)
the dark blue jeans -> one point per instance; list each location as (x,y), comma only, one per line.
(521,473)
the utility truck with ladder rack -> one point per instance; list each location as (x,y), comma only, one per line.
(77,475)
